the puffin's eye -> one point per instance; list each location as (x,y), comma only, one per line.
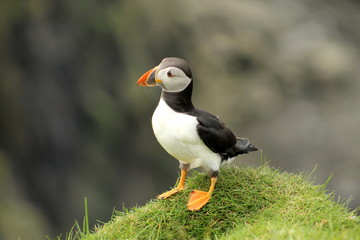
(169,74)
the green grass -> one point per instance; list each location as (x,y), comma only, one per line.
(248,203)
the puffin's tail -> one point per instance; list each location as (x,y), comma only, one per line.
(243,146)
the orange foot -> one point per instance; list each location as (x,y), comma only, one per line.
(177,189)
(198,199)
(169,193)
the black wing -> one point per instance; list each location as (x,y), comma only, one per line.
(213,132)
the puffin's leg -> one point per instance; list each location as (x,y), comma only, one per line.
(199,198)
(184,169)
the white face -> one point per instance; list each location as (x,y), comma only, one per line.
(172,79)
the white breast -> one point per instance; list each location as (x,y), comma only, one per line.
(176,132)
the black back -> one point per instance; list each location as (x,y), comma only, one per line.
(211,130)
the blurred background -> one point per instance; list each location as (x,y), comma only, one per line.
(284,73)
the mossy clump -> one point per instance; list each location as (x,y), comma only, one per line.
(248,203)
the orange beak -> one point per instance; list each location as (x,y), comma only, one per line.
(148,78)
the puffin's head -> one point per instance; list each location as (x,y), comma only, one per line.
(172,75)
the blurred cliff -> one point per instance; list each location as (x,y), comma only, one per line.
(284,73)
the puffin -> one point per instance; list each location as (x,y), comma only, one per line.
(194,137)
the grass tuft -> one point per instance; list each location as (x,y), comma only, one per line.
(247,203)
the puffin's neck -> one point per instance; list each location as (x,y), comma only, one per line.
(179,101)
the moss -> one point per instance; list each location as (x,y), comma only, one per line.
(248,203)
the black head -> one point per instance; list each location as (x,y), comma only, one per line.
(176,62)
(172,75)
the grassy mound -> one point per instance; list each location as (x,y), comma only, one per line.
(248,203)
